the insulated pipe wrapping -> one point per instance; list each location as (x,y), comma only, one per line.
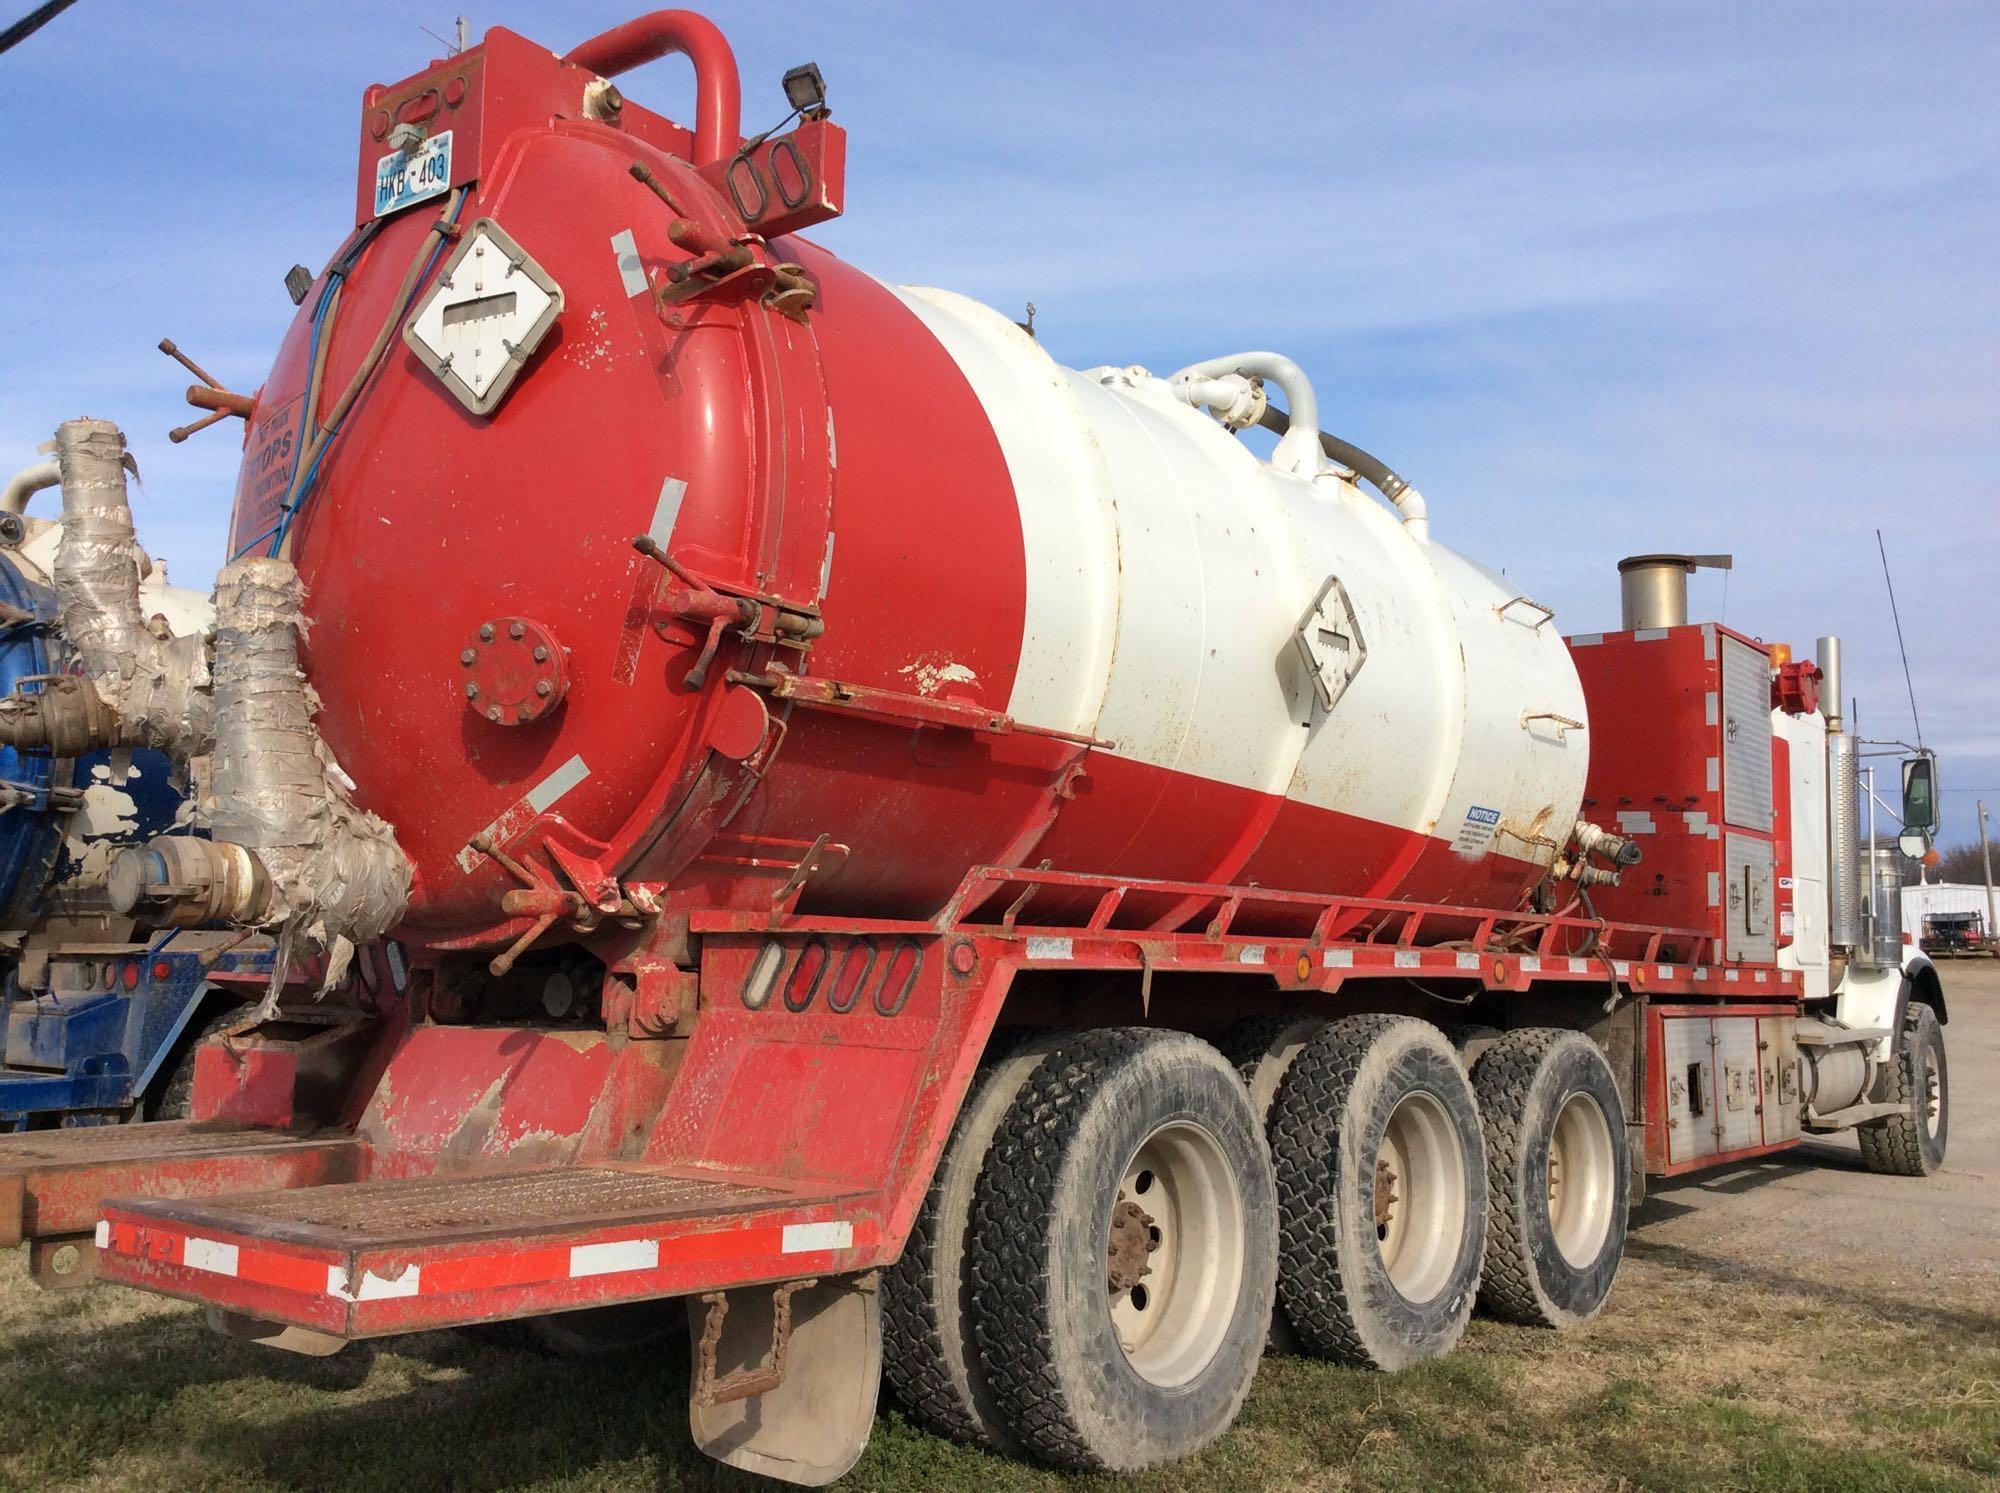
(338,877)
(158,687)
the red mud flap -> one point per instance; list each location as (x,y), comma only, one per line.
(375,1258)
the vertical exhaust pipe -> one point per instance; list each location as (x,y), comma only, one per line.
(1653,589)
(1843,863)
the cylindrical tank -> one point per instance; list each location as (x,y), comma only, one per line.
(1115,609)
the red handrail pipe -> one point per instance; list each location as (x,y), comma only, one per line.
(718,109)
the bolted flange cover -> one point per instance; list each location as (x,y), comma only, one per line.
(513,671)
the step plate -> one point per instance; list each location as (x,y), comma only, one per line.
(53,1182)
(375,1258)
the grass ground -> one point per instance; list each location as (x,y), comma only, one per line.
(1704,1374)
(1796,1325)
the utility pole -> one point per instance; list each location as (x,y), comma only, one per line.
(1986,855)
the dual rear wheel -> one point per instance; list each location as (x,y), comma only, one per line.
(1094,1272)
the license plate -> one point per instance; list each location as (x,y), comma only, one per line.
(404,177)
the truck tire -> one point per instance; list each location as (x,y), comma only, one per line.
(1911,1144)
(1261,1051)
(929,1356)
(1557,1170)
(1124,1249)
(1381,1192)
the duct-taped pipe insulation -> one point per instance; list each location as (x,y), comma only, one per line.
(139,687)
(289,850)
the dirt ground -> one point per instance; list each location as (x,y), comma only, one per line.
(1796,1324)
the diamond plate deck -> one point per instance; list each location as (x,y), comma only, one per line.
(102,1145)
(435,1210)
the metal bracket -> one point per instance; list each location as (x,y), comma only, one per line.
(1564,725)
(710,1390)
(1543,614)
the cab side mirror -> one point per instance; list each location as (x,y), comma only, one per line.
(1920,813)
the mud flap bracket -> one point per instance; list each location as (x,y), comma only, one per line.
(785,1379)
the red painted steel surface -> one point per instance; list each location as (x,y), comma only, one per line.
(848,447)
(1650,697)
(1657,1162)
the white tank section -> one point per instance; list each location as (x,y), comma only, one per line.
(1272,629)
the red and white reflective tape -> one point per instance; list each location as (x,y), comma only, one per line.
(456,1274)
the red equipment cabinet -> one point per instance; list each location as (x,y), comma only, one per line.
(1682,760)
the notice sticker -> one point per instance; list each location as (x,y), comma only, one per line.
(1476,833)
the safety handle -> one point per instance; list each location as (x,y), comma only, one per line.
(718,116)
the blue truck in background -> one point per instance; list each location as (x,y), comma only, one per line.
(101,1017)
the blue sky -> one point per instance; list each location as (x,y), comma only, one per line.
(1601,278)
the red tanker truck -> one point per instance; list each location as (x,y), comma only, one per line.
(957,867)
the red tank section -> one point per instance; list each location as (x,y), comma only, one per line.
(828,480)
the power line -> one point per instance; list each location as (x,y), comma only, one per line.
(32,22)
(1908,683)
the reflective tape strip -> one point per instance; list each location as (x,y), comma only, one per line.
(1338,959)
(632,274)
(1730,974)
(1408,959)
(805,1238)
(1051,948)
(1467,959)
(1579,966)
(1530,963)
(210,1255)
(373,1287)
(537,800)
(1250,953)
(666,511)
(614,1257)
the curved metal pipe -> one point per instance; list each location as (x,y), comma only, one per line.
(1294,453)
(718,124)
(25,483)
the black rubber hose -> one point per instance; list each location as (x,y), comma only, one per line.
(1369,469)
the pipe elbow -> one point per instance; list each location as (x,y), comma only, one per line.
(718,128)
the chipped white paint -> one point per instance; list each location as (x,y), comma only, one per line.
(933,673)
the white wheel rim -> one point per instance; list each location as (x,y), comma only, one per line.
(1417,1197)
(1582,1170)
(1933,1096)
(1179,1194)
